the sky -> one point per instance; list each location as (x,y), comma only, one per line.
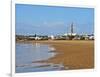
(52,20)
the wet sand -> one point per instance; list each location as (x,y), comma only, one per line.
(73,54)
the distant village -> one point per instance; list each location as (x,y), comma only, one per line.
(67,36)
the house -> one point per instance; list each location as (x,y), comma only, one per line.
(52,37)
(91,37)
(38,38)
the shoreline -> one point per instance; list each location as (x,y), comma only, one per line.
(74,54)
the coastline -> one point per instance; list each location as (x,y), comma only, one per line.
(74,54)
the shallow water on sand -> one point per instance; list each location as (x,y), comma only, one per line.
(29,58)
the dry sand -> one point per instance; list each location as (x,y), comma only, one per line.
(73,54)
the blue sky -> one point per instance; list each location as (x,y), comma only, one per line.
(52,20)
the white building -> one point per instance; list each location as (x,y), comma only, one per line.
(52,37)
(37,38)
(73,34)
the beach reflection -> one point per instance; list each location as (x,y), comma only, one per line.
(32,58)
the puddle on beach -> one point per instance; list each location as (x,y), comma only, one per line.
(29,58)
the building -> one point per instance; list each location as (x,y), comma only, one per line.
(52,37)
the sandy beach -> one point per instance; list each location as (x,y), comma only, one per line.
(75,54)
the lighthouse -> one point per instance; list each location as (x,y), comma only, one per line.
(71,33)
